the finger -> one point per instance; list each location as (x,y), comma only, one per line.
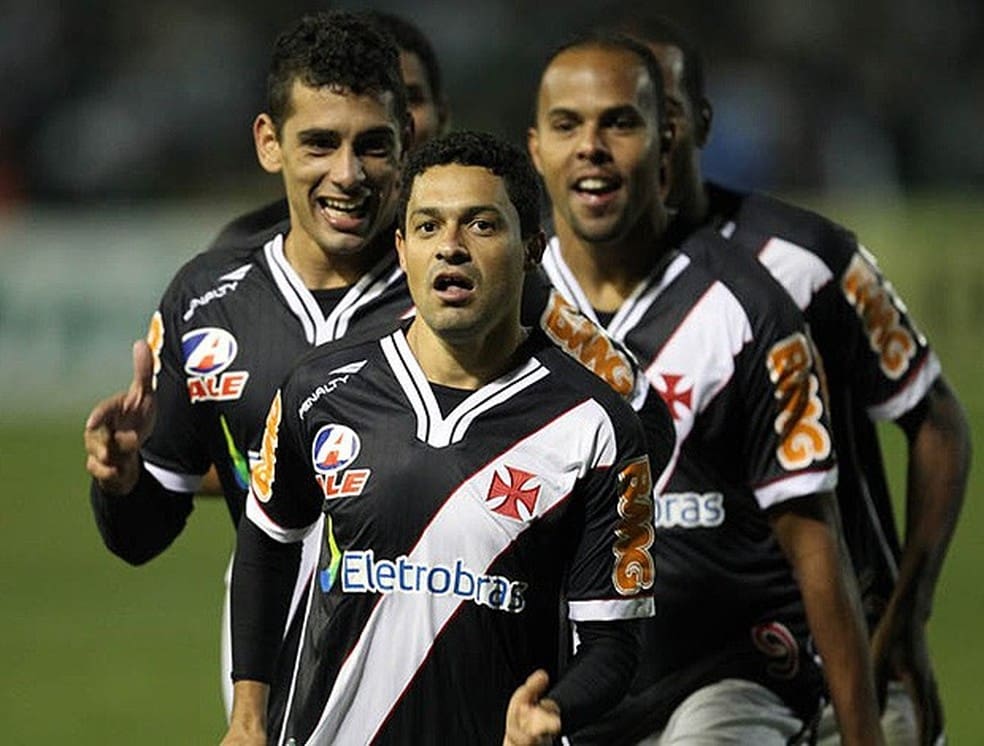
(142,384)
(535,685)
(126,441)
(97,442)
(105,412)
(100,470)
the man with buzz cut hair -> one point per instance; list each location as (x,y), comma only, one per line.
(879,368)
(426,101)
(753,580)
(470,476)
(231,322)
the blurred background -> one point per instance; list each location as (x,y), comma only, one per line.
(125,145)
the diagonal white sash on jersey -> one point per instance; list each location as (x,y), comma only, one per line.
(403,627)
(432,427)
(801,272)
(317,328)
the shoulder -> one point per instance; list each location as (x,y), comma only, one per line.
(254,228)
(803,228)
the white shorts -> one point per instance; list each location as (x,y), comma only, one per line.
(309,560)
(898,721)
(731,711)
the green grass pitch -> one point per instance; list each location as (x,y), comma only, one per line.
(97,652)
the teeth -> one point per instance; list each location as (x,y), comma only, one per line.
(333,204)
(594,185)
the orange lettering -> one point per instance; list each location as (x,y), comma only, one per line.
(263,473)
(634,569)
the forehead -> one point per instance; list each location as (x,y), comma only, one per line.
(588,76)
(454,187)
(412,70)
(339,108)
(670,60)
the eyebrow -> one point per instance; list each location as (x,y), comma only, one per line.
(319,133)
(465,212)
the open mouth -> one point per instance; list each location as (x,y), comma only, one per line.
(597,186)
(453,288)
(447,281)
(346,206)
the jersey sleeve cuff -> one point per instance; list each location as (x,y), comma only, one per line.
(610,610)
(913,392)
(796,485)
(266,524)
(173,480)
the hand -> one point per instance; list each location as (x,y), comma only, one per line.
(119,425)
(900,650)
(530,720)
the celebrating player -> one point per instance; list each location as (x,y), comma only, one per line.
(749,555)
(429,111)
(879,368)
(470,475)
(232,322)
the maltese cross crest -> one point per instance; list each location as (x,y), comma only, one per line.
(514,499)
(675,395)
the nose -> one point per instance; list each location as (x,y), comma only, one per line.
(451,249)
(591,145)
(346,168)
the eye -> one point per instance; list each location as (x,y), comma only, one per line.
(376,146)
(484,226)
(425,228)
(563,124)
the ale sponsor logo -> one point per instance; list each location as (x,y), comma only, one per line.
(208,352)
(334,449)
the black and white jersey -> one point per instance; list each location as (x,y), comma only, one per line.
(738,373)
(449,537)
(228,328)
(878,364)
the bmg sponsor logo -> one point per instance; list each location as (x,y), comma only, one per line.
(208,352)
(361,572)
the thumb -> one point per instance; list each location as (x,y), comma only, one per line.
(536,685)
(142,384)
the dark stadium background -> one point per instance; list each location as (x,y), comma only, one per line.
(124,146)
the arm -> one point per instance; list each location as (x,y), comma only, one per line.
(939,459)
(137,517)
(262,581)
(806,529)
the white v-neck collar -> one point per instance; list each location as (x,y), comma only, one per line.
(633,308)
(319,328)
(432,427)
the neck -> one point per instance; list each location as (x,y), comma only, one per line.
(693,203)
(321,270)
(609,271)
(466,363)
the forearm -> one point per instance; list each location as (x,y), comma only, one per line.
(809,535)
(600,672)
(939,461)
(263,576)
(141,524)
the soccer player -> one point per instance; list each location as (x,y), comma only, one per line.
(751,563)
(428,109)
(879,368)
(231,322)
(471,475)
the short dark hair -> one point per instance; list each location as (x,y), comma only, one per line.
(653,28)
(411,39)
(616,40)
(503,159)
(335,48)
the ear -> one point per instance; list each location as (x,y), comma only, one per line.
(401,249)
(533,146)
(534,248)
(704,116)
(267,144)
